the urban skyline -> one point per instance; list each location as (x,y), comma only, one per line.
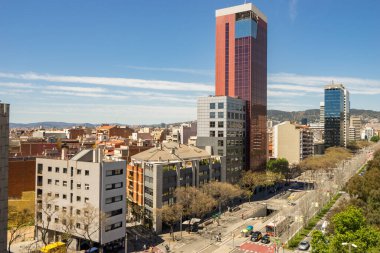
(54,71)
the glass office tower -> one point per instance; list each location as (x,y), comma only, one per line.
(241,71)
(336,115)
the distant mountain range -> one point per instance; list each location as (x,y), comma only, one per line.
(311,115)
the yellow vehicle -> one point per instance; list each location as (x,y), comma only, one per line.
(55,247)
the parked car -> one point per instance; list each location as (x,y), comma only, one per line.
(304,245)
(265,239)
(256,236)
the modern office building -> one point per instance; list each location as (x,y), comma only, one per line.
(221,131)
(4,142)
(337,109)
(153,175)
(87,190)
(241,71)
(293,142)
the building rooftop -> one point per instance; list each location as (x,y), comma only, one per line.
(240,8)
(171,151)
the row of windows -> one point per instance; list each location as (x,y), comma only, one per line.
(114,186)
(64,196)
(114,172)
(220,133)
(148,179)
(64,183)
(114,199)
(114,226)
(234,115)
(220,115)
(220,124)
(220,105)
(64,170)
(114,213)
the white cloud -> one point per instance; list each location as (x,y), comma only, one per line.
(178,70)
(295,88)
(76,89)
(114,81)
(16,85)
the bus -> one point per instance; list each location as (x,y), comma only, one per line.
(55,247)
(278,226)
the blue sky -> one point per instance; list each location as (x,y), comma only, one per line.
(140,62)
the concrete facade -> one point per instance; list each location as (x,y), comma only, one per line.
(166,167)
(4,143)
(87,184)
(221,130)
(293,142)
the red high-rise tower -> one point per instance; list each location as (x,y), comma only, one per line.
(241,71)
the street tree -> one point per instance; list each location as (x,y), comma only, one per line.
(280,165)
(17,222)
(170,215)
(319,242)
(375,138)
(222,192)
(45,213)
(89,222)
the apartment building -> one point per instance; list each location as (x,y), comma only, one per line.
(4,142)
(105,132)
(293,142)
(354,129)
(153,175)
(87,190)
(221,122)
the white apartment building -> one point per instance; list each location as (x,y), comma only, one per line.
(354,129)
(293,142)
(4,142)
(87,187)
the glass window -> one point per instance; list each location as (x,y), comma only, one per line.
(87,172)
(220,115)
(87,186)
(220,124)
(64,170)
(57,169)
(212,115)
(220,105)
(220,143)
(64,183)
(212,123)
(212,133)
(79,171)
(212,105)
(220,133)
(49,169)
(78,198)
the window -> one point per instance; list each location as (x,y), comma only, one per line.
(56,208)
(56,182)
(212,133)
(64,209)
(114,226)
(220,152)
(64,183)
(212,123)
(77,225)
(78,198)
(220,133)
(114,199)
(65,170)
(57,195)
(64,196)
(49,181)
(39,168)
(48,206)
(78,212)
(212,115)
(114,213)
(79,171)
(86,172)
(49,194)
(114,186)
(86,186)
(212,105)
(220,115)
(86,200)
(56,220)
(114,172)
(220,143)
(57,169)
(220,105)
(220,124)
(79,186)
(49,169)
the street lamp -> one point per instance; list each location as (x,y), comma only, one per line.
(349,246)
